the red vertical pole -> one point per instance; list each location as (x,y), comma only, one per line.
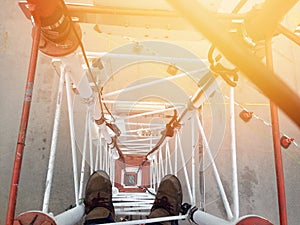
(23,124)
(276,145)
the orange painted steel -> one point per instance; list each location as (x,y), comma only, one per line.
(251,220)
(23,124)
(42,8)
(277,146)
(34,217)
(43,13)
(59,36)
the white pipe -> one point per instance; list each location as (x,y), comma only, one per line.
(108,140)
(96,109)
(186,175)
(152,169)
(53,142)
(97,156)
(133,148)
(161,162)
(166,158)
(138,195)
(155,82)
(159,166)
(162,144)
(203,218)
(141,140)
(73,65)
(235,191)
(112,166)
(201,168)
(103,129)
(72,134)
(215,170)
(91,144)
(109,161)
(169,157)
(136,130)
(193,163)
(101,153)
(105,134)
(84,88)
(202,95)
(175,156)
(156,182)
(132,213)
(141,104)
(149,113)
(71,216)
(140,57)
(152,220)
(81,183)
(158,178)
(154,178)
(151,174)
(145,124)
(130,208)
(123,150)
(106,158)
(137,153)
(136,136)
(137,145)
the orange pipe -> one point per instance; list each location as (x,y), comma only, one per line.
(276,145)
(23,125)
(44,8)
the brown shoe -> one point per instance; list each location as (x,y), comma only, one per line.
(98,196)
(168,198)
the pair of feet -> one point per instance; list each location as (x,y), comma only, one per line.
(98,197)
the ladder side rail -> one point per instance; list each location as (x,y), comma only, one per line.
(72,134)
(83,159)
(97,155)
(90,144)
(193,202)
(215,170)
(187,180)
(161,162)
(204,218)
(169,157)
(53,147)
(101,153)
(235,190)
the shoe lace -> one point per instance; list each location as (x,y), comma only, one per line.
(100,201)
(163,203)
(97,201)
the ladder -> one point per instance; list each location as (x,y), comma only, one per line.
(134,151)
